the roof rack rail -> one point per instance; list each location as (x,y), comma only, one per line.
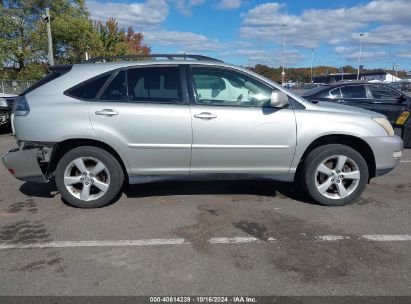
(143,56)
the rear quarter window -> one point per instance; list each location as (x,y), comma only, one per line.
(89,89)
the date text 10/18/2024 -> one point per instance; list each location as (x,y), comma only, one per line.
(199,299)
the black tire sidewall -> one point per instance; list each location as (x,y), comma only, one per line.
(112,165)
(318,155)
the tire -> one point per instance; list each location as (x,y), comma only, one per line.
(89,177)
(325,181)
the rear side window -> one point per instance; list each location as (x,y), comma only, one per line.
(335,93)
(117,89)
(154,85)
(382,92)
(355,91)
(89,89)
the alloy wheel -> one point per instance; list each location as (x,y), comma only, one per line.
(337,177)
(86,178)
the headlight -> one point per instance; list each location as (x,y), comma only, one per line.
(3,102)
(383,122)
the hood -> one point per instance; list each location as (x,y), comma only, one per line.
(339,108)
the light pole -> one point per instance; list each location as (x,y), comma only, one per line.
(312,60)
(46,17)
(359,57)
(283,73)
(396,72)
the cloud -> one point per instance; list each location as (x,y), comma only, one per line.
(186,41)
(268,57)
(406,55)
(228,4)
(185,6)
(365,56)
(316,26)
(343,49)
(395,34)
(149,13)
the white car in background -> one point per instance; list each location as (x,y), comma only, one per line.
(6,103)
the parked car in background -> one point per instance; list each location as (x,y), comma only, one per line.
(371,96)
(92,127)
(6,103)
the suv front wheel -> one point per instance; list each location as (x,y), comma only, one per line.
(335,175)
(89,177)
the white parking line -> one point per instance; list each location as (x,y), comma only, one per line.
(217,240)
(405,161)
(387,238)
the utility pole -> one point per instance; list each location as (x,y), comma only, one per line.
(47,18)
(283,73)
(312,60)
(359,57)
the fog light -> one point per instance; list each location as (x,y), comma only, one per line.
(397,154)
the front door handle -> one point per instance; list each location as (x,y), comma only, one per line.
(107,112)
(205,115)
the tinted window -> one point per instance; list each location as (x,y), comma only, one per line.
(335,93)
(160,84)
(89,89)
(228,88)
(382,92)
(353,92)
(117,89)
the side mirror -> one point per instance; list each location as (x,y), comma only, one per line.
(278,99)
(402,98)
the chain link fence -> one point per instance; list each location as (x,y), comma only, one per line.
(14,86)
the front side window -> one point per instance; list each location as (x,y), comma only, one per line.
(383,92)
(89,89)
(355,91)
(227,88)
(154,84)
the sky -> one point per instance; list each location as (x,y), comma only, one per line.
(248,32)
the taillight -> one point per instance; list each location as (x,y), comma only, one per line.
(20,107)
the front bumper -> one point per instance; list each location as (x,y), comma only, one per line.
(24,164)
(387,152)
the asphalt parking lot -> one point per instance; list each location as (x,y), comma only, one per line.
(206,238)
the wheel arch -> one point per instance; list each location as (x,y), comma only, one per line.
(64,146)
(353,142)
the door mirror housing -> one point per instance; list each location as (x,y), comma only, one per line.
(278,99)
(402,98)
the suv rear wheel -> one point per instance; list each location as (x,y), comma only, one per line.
(89,177)
(335,175)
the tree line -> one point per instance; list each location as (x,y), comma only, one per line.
(304,74)
(23,38)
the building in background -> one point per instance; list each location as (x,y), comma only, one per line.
(384,77)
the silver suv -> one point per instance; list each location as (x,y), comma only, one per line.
(94,126)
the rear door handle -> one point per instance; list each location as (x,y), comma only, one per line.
(205,115)
(107,112)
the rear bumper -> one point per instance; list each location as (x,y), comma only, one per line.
(24,165)
(387,152)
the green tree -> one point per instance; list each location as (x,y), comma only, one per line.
(115,41)
(23,38)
